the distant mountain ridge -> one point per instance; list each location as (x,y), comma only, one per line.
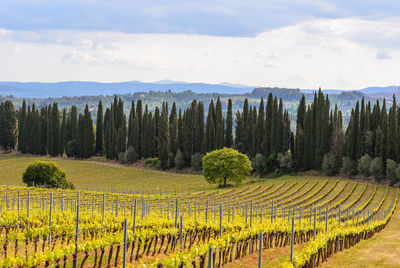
(87,88)
(82,88)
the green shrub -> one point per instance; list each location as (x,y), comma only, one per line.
(179,160)
(349,166)
(278,173)
(285,161)
(122,158)
(46,174)
(271,163)
(152,162)
(391,167)
(195,161)
(376,168)
(363,166)
(259,164)
(131,155)
(328,164)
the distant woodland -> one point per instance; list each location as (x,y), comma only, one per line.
(290,97)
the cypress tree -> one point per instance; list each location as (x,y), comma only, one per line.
(219,126)
(147,133)
(157,138)
(99,129)
(299,141)
(210,129)
(245,125)
(384,133)
(164,136)
(36,132)
(8,121)
(121,136)
(392,135)
(62,131)
(180,131)
(239,130)
(260,127)
(107,133)
(22,128)
(131,119)
(308,156)
(286,133)
(363,130)
(280,128)
(356,137)
(274,127)
(74,122)
(120,125)
(249,132)
(88,134)
(322,129)
(173,130)
(229,126)
(268,126)
(151,130)
(199,129)
(254,132)
(190,127)
(139,116)
(54,131)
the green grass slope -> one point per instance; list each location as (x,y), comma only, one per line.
(104,176)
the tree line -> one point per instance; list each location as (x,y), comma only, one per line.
(174,137)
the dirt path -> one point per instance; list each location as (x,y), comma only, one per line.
(383,250)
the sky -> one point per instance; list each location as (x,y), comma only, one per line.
(285,43)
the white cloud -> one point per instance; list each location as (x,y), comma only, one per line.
(382,55)
(331,53)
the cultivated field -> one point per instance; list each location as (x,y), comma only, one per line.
(39,227)
(103,176)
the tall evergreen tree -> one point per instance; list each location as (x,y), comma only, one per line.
(181,132)
(384,133)
(199,129)
(299,140)
(210,129)
(8,120)
(99,129)
(268,126)
(54,131)
(229,126)
(173,130)
(62,132)
(260,127)
(139,116)
(22,134)
(164,136)
(219,126)
(392,145)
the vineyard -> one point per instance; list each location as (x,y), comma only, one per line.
(311,217)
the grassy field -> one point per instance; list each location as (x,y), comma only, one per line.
(104,176)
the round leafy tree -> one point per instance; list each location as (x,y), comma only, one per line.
(225,165)
(45,174)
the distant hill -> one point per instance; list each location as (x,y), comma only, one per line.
(377,90)
(86,88)
(79,88)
